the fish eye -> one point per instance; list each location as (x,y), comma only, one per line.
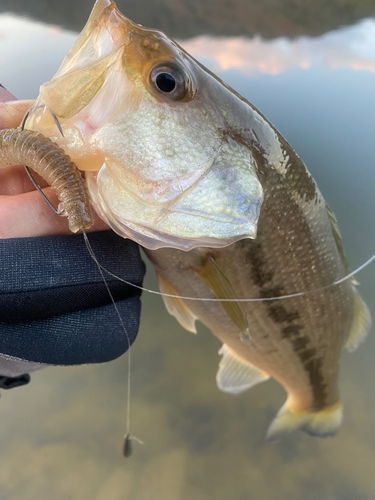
(170,81)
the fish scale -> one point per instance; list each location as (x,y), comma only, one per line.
(294,340)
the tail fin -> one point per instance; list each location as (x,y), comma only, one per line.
(321,423)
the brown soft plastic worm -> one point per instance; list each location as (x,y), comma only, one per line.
(47,159)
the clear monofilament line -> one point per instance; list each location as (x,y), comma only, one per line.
(348,276)
(259,299)
(93,256)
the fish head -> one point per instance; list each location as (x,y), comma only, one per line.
(149,125)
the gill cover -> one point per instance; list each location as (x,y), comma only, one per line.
(148,125)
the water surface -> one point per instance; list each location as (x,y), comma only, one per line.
(61,436)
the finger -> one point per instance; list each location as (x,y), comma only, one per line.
(14,180)
(5,95)
(12,112)
(27,215)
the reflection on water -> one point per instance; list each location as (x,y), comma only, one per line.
(188,18)
(24,71)
(199,442)
(352,47)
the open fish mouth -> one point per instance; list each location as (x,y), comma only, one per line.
(143,119)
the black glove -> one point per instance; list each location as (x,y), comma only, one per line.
(54,306)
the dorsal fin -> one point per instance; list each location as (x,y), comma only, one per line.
(236,375)
(361,323)
(222,289)
(176,306)
(337,236)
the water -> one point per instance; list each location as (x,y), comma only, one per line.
(61,436)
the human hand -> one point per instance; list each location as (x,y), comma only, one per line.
(23,212)
(54,307)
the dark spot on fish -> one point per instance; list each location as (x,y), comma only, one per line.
(259,274)
(268,293)
(261,165)
(299,180)
(249,139)
(297,177)
(300,343)
(289,321)
(291,331)
(313,366)
(314,370)
(279,314)
(307,354)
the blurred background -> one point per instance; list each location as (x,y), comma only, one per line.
(309,67)
(188,18)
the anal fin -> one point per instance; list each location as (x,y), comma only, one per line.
(176,306)
(236,375)
(361,323)
(222,289)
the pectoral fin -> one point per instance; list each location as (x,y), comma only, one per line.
(221,287)
(236,375)
(361,323)
(176,306)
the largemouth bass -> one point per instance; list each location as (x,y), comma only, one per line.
(180,163)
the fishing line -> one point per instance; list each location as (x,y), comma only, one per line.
(260,299)
(127,446)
